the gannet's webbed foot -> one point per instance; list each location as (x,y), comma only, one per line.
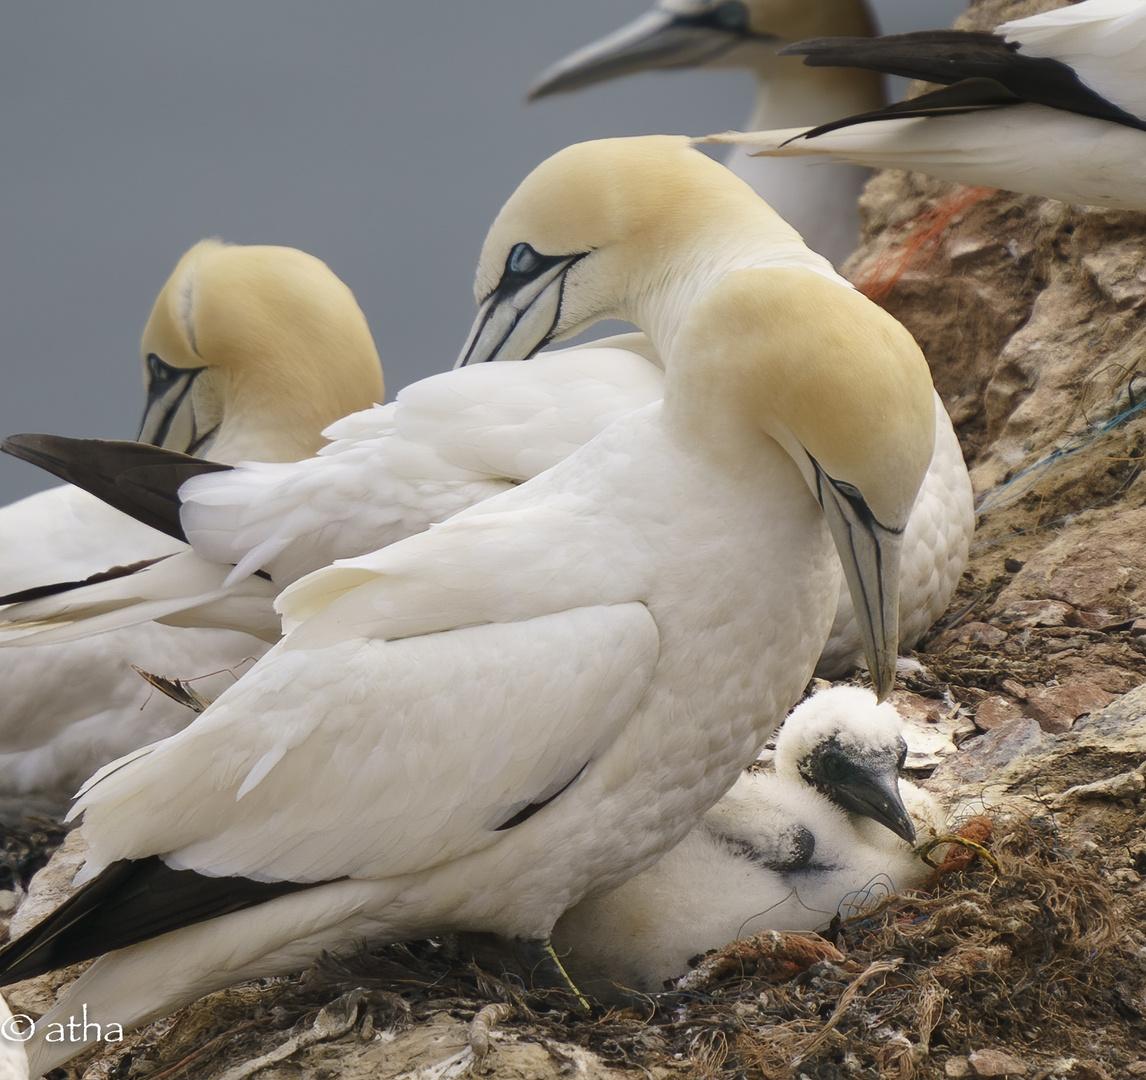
(536,955)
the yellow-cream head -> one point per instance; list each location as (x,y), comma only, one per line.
(250,351)
(599,230)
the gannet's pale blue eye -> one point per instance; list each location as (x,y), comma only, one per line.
(522,260)
(850,490)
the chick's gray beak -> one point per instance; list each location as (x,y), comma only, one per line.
(877,797)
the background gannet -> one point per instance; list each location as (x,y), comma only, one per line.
(1052,105)
(248,353)
(543,693)
(781,851)
(747,34)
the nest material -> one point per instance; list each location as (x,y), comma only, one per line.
(1034,960)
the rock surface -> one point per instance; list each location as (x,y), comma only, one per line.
(1028,700)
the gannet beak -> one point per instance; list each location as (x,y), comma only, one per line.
(876,795)
(520,316)
(870,554)
(657,39)
(168,419)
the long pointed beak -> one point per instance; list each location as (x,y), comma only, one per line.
(870,556)
(518,317)
(656,39)
(876,797)
(168,416)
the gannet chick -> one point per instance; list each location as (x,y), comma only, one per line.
(1051,105)
(780,851)
(545,692)
(249,352)
(747,34)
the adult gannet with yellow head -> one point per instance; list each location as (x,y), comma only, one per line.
(1053,105)
(478,725)
(249,352)
(748,34)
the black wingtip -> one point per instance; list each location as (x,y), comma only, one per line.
(142,481)
(38,592)
(970,95)
(128,903)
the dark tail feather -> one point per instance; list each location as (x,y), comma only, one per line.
(130,902)
(938,56)
(967,96)
(143,481)
(952,56)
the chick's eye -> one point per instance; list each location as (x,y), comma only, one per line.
(522,260)
(832,767)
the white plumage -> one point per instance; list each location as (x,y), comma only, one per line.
(819,203)
(778,852)
(221,378)
(1073,128)
(540,695)
(448,442)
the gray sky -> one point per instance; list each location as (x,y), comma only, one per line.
(380,136)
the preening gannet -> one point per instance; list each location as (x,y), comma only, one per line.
(447,442)
(543,693)
(1052,105)
(747,34)
(249,353)
(781,851)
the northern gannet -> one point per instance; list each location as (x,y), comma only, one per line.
(445,443)
(249,352)
(747,34)
(475,726)
(781,851)
(1051,105)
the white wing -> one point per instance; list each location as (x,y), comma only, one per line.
(371,764)
(1104,41)
(1028,148)
(65,534)
(447,442)
(69,710)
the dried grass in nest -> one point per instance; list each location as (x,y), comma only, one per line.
(1028,958)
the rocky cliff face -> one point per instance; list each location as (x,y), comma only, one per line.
(1032,316)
